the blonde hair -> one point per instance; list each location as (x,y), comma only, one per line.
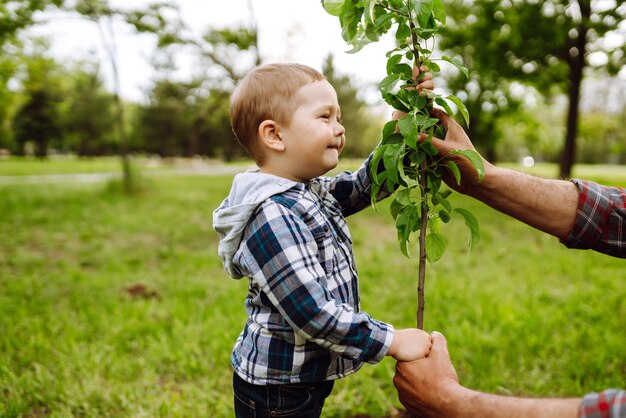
(266,93)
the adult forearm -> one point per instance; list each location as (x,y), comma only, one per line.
(546,204)
(483,405)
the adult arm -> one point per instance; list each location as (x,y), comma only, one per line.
(430,388)
(546,204)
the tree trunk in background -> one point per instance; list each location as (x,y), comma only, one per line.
(577,64)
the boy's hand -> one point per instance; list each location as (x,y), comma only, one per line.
(410,344)
(425,83)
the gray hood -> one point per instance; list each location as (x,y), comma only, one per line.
(230,219)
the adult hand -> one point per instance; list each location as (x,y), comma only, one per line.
(424,82)
(456,139)
(428,387)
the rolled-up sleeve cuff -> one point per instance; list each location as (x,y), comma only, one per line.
(382,335)
(610,403)
(591,216)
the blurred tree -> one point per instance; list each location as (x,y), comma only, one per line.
(545,43)
(18,15)
(163,127)
(88,119)
(362,127)
(8,97)
(37,119)
(151,19)
(212,127)
(602,138)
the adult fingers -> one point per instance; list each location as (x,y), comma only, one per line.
(444,118)
(440,344)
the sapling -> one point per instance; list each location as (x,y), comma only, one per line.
(403,165)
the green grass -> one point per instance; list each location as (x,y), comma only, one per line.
(523,315)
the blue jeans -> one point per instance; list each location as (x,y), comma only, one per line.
(302,400)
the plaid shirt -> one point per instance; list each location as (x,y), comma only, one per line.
(600,219)
(304,323)
(608,404)
(599,226)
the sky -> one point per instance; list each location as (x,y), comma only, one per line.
(289,30)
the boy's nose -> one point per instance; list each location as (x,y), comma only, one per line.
(339,129)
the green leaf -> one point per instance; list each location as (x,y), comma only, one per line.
(333,7)
(423,9)
(431,66)
(458,64)
(439,11)
(429,148)
(434,184)
(404,247)
(455,171)
(408,129)
(388,83)
(392,61)
(475,159)
(395,102)
(418,157)
(371,33)
(404,70)
(383,21)
(392,139)
(439,199)
(389,129)
(444,216)
(375,191)
(395,207)
(407,180)
(428,123)
(390,159)
(435,246)
(357,46)
(403,32)
(461,107)
(369,10)
(441,102)
(420,102)
(374,162)
(403,197)
(472,224)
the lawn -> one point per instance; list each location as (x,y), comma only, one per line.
(114,306)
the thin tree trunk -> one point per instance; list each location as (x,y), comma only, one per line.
(421,279)
(577,65)
(119,105)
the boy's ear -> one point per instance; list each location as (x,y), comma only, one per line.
(270,135)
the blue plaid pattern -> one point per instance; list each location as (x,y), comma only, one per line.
(600,219)
(304,321)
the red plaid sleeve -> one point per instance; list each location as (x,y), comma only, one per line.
(608,404)
(600,219)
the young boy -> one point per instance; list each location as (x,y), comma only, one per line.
(283,227)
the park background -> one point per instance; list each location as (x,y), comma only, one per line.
(113,301)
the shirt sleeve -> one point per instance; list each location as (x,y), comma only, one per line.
(353,189)
(610,403)
(283,260)
(600,219)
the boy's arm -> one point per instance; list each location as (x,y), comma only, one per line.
(281,255)
(352,189)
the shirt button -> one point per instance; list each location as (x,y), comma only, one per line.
(326,228)
(339,239)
